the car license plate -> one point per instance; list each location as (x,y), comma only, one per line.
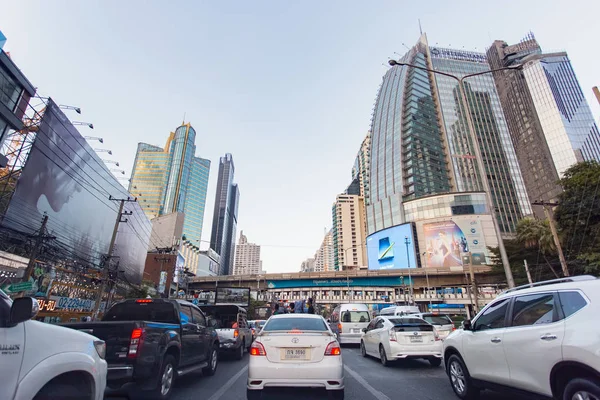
(354,330)
(295,354)
(416,339)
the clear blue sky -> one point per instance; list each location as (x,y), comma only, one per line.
(286,87)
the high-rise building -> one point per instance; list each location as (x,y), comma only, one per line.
(173,179)
(349,232)
(549,119)
(247,257)
(224,224)
(420,143)
(308,265)
(361,168)
(324,257)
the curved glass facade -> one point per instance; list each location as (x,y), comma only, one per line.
(421,144)
(172,179)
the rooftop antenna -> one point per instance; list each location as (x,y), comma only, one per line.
(183,123)
(420,29)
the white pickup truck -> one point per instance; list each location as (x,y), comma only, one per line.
(43,361)
(231,324)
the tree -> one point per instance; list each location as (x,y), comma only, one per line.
(517,253)
(536,234)
(578,216)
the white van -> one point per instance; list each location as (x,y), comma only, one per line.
(399,310)
(348,320)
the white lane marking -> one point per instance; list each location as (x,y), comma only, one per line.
(228,384)
(378,395)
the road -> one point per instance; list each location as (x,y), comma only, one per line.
(366,379)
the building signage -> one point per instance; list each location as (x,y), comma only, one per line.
(458,55)
(340,282)
(446,242)
(71,304)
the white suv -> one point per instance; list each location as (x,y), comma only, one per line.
(541,339)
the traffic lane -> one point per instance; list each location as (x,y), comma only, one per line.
(195,385)
(413,379)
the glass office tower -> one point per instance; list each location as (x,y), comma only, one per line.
(420,143)
(224,223)
(172,179)
(549,120)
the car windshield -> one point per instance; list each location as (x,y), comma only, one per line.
(155,312)
(438,319)
(355,316)
(296,323)
(407,321)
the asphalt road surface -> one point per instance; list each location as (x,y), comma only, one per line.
(365,379)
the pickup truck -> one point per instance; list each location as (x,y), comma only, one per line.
(43,361)
(231,324)
(151,342)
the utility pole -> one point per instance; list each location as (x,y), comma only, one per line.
(474,283)
(106,261)
(528,274)
(39,240)
(561,256)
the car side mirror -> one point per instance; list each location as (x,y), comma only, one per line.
(23,309)
(364,330)
(466,325)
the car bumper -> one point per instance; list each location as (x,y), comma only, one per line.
(101,378)
(349,338)
(398,351)
(229,345)
(328,374)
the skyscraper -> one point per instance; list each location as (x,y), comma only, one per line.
(549,119)
(224,225)
(420,143)
(349,232)
(247,257)
(173,179)
(360,170)
(324,258)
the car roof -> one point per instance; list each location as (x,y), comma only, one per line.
(301,315)
(578,282)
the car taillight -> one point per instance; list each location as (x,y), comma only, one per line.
(134,342)
(236,333)
(144,301)
(435,334)
(257,349)
(333,349)
(453,328)
(393,335)
(339,327)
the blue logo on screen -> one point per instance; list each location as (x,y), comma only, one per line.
(386,249)
(475,241)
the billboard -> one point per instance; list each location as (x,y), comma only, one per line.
(236,296)
(387,249)
(66,180)
(446,243)
(179,268)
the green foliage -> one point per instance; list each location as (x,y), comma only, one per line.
(540,265)
(136,292)
(254,304)
(534,233)
(578,215)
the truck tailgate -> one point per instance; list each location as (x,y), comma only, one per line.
(116,335)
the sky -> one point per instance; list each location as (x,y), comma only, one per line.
(286,87)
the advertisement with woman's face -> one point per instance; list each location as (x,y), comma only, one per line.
(64,179)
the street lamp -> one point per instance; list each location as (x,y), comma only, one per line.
(410,290)
(486,186)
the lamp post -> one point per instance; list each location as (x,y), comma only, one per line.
(410,290)
(486,186)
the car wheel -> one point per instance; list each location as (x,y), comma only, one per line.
(240,352)
(363,351)
(253,394)
(335,394)
(435,362)
(582,389)
(63,389)
(213,362)
(460,380)
(383,357)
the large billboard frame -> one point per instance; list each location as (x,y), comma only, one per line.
(224,298)
(386,249)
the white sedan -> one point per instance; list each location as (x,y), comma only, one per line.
(296,350)
(394,338)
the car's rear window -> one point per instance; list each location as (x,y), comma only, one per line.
(156,312)
(296,323)
(438,319)
(355,316)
